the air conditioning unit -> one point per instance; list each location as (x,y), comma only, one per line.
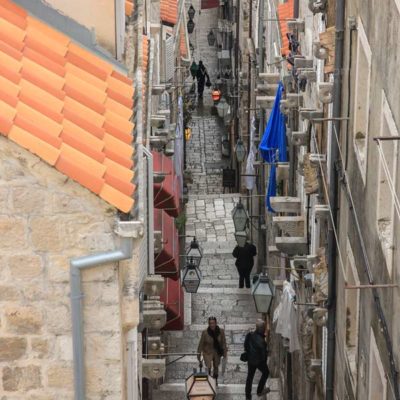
(153,368)
(321,211)
(277,53)
(317,6)
(154,284)
(325,92)
(296,25)
(157,90)
(319,51)
(158,142)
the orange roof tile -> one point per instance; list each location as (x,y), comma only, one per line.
(66,105)
(285,11)
(169,11)
(128,7)
(182,42)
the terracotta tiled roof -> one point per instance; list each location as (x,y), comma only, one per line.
(182,42)
(66,105)
(128,7)
(285,11)
(169,11)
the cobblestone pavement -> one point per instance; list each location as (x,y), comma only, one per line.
(209,218)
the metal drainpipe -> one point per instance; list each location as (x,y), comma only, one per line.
(333,198)
(150,210)
(76,266)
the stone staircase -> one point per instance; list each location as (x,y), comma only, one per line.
(218,296)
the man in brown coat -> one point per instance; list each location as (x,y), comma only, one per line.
(212,346)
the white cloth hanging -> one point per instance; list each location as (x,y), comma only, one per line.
(250,181)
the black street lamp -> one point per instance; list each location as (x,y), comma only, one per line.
(200,386)
(191,278)
(191,12)
(211,38)
(241,238)
(190,26)
(263,292)
(240,217)
(240,150)
(194,253)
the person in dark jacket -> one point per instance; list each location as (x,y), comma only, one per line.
(212,346)
(255,346)
(244,262)
(201,78)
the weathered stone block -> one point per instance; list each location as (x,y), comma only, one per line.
(45,234)
(103,376)
(23,320)
(40,347)
(58,320)
(24,378)
(9,293)
(25,266)
(12,348)
(12,233)
(29,199)
(60,376)
(58,269)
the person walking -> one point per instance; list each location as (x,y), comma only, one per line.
(244,262)
(255,347)
(201,76)
(212,346)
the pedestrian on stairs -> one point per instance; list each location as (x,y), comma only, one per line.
(244,262)
(212,346)
(202,78)
(255,347)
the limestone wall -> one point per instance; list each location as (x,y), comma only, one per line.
(45,219)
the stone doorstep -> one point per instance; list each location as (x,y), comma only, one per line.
(220,282)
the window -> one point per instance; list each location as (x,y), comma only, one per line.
(377,381)
(387,166)
(361,99)
(352,302)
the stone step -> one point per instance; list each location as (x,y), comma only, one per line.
(222,196)
(231,305)
(231,391)
(220,282)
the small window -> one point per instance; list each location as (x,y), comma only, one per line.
(387,169)
(361,99)
(377,381)
(352,303)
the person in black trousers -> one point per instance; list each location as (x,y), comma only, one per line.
(244,262)
(255,346)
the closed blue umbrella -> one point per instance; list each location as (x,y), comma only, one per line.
(273,143)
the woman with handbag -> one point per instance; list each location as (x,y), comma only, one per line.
(202,74)
(212,346)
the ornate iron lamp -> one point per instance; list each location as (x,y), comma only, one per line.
(191,12)
(240,150)
(194,253)
(240,217)
(263,292)
(200,386)
(190,26)
(191,278)
(223,108)
(211,38)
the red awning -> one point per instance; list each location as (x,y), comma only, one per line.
(166,194)
(166,262)
(173,299)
